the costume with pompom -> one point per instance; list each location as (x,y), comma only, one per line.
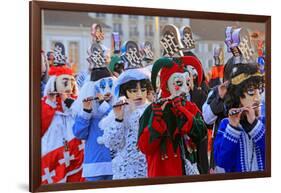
(121,136)
(168,137)
(61,153)
(97,161)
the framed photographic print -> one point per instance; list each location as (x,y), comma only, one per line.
(126,96)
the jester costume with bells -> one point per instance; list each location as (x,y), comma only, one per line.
(62,153)
(171,128)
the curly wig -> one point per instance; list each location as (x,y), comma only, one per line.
(234,91)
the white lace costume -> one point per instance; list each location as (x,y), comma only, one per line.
(121,137)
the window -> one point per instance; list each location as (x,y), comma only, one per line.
(178,19)
(117,27)
(163,18)
(118,16)
(149,30)
(205,47)
(100,15)
(133,16)
(210,63)
(200,47)
(73,52)
(148,17)
(134,30)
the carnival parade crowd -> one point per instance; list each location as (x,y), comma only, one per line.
(131,115)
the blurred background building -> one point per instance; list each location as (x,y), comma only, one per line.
(73,30)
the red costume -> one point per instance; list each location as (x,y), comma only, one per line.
(61,153)
(162,132)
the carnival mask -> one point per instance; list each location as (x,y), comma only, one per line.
(119,67)
(97,32)
(137,95)
(104,86)
(177,84)
(218,56)
(252,97)
(65,84)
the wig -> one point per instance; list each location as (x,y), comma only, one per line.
(235,92)
(132,84)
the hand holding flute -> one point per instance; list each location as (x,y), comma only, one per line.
(118,109)
(235,114)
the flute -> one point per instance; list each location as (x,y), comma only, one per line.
(90,99)
(57,93)
(237,111)
(162,100)
(120,104)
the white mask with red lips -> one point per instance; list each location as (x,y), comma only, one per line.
(178,85)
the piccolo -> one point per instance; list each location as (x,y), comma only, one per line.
(90,99)
(57,93)
(237,111)
(163,100)
(120,104)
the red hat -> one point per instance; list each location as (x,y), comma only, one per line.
(169,66)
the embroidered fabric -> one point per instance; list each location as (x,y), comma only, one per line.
(121,137)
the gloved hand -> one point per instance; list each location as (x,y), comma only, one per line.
(177,104)
(158,122)
(157,110)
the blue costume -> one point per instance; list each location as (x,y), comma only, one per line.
(237,150)
(97,158)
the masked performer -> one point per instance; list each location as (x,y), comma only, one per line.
(121,125)
(214,109)
(61,152)
(93,103)
(198,94)
(116,65)
(147,54)
(240,142)
(50,57)
(171,128)
(44,71)
(97,35)
(216,73)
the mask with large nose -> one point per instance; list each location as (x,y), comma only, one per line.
(65,84)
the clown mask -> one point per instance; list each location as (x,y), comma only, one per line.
(65,84)
(104,87)
(178,85)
